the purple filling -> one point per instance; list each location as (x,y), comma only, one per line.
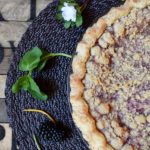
(135,106)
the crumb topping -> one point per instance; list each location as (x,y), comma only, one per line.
(117,82)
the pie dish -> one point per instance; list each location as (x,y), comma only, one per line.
(110,83)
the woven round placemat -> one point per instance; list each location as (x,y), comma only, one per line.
(49,34)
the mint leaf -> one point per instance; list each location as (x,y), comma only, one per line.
(44,59)
(67,24)
(30,60)
(59,7)
(34,90)
(73,24)
(67,1)
(59,16)
(79,20)
(21,83)
(73,4)
(28,84)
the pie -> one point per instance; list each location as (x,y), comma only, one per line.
(110,83)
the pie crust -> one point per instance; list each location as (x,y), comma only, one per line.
(81,112)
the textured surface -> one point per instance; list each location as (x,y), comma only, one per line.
(20,10)
(3,114)
(2,83)
(6,141)
(48,34)
(12,30)
(15,16)
(4,65)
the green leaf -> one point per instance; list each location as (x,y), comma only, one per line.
(59,16)
(79,21)
(67,1)
(73,4)
(67,24)
(28,84)
(62,2)
(70,3)
(21,83)
(78,10)
(73,24)
(35,90)
(30,60)
(44,59)
(59,7)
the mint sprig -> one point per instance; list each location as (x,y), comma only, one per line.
(79,9)
(33,59)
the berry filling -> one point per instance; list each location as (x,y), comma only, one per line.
(117,83)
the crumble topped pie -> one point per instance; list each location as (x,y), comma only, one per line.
(110,84)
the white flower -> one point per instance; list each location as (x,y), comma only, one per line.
(69,13)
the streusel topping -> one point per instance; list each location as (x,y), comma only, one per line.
(117,82)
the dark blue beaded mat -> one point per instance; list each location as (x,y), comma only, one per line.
(49,34)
